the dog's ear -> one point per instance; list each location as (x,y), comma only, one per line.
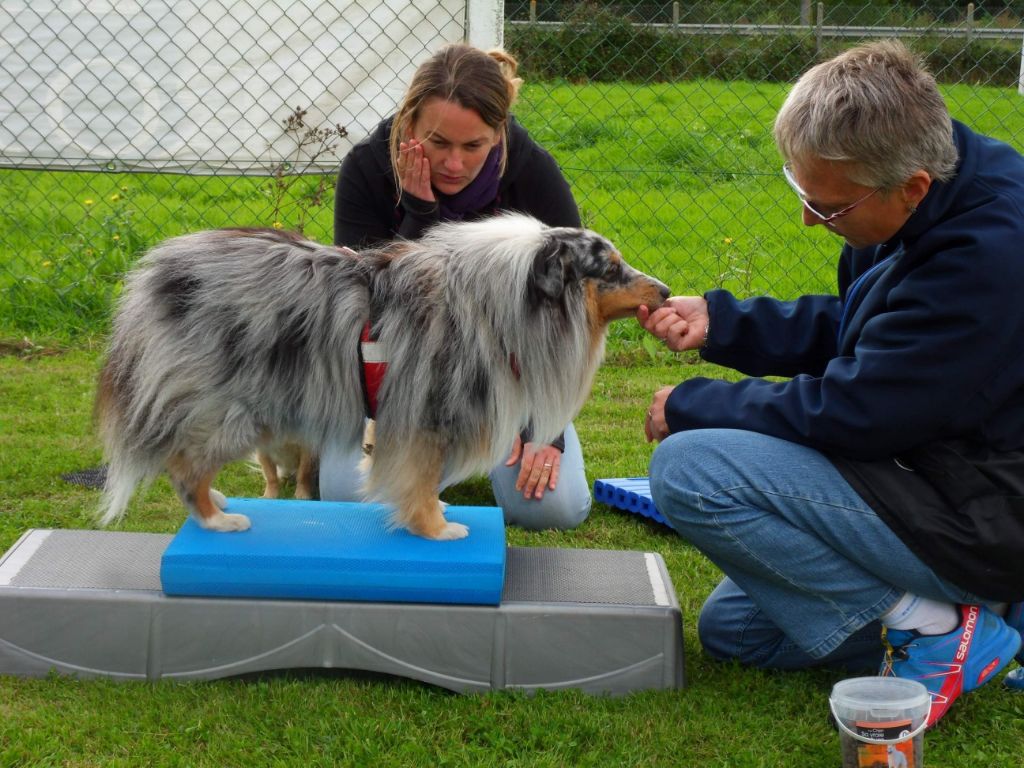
(552,267)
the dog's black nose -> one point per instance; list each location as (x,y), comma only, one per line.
(664,291)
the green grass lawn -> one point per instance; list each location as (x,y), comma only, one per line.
(726,716)
(684,178)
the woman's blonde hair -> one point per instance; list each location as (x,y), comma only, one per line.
(483,81)
(875,107)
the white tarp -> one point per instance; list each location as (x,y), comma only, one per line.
(202,86)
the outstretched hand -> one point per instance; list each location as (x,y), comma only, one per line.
(680,322)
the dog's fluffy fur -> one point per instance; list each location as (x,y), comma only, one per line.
(227,340)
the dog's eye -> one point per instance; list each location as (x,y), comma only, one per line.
(614,272)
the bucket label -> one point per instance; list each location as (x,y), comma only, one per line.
(898,753)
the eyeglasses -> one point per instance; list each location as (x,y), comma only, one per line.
(787,171)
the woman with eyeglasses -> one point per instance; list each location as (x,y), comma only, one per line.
(878,488)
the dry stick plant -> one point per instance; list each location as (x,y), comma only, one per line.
(311,144)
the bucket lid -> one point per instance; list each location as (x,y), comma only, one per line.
(881,692)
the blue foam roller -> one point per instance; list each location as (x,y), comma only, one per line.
(631,494)
(337,551)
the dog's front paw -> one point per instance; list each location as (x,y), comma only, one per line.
(219,499)
(225,523)
(426,519)
(452,531)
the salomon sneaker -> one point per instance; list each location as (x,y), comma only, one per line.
(955,663)
(1015,618)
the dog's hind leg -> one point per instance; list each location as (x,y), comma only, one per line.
(193,488)
(271,480)
(306,474)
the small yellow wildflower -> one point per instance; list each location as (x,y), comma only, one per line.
(47,263)
(278,225)
(89,201)
(115,197)
(727,240)
(115,237)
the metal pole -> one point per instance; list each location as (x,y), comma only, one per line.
(485,23)
(533,11)
(805,13)
(970,23)
(675,14)
(818,31)
(1020,79)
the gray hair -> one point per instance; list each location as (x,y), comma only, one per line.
(875,107)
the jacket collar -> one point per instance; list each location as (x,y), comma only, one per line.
(942,194)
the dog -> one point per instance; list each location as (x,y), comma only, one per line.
(226,340)
(281,459)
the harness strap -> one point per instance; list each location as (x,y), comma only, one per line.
(373,365)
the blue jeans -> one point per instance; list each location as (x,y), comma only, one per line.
(810,567)
(565,507)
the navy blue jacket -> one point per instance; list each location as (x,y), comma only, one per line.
(922,347)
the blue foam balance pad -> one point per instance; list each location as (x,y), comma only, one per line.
(337,551)
(632,494)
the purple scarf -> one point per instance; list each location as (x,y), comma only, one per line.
(477,194)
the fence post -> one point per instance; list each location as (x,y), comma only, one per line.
(805,13)
(1020,78)
(675,14)
(818,33)
(970,22)
(533,11)
(485,23)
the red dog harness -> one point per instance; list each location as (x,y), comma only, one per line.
(374,364)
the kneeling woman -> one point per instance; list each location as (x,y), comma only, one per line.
(453,151)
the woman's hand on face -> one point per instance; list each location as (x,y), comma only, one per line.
(414,170)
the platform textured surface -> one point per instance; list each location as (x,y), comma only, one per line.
(337,551)
(597,576)
(85,560)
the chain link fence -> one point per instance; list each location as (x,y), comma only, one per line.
(123,122)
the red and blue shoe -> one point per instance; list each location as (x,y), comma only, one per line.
(955,663)
(1015,618)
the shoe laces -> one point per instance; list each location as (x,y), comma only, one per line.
(892,654)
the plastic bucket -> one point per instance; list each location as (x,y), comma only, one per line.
(881,721)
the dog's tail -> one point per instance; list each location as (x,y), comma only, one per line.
(122,480)
(125,471)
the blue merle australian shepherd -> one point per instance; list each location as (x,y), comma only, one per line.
(226,340)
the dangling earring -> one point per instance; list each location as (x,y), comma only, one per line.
(912,208)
